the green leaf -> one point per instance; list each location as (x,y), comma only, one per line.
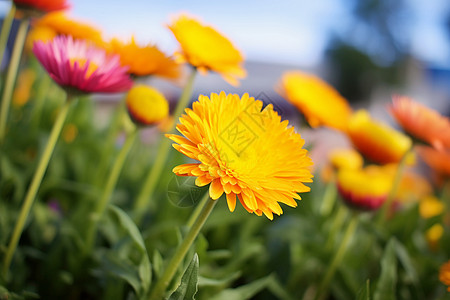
(364,292)
(144,272)
(157,263)
(118,267)
(385,289)
(188,286)
(244,292)
(203,281)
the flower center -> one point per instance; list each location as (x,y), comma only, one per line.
(82,63)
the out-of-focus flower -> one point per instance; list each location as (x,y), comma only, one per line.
(439,160)
(421,122)
(321,104)
(79,67)
(145,60)
(244,151)
(377,141)
(39,33)
(70,132)
(40,6)
(430,206)
(22,91)
(444,274)
(434,235)
(207,50)
(365,188)
(346,159)
(62,25)
(166,125)
(146,105)
(412,188)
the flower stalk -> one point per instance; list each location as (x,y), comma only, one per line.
(149,184)
(35,184)
(6,29)
(166,278)
(12,74)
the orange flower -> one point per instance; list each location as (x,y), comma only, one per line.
(207,50)
(317,100)
(439,160)
(421,122)
(434,235)
(365,188)
(39,33)
(41,6)
(62,25)
(430,206)
(245,151)
(444,274)
(412,188)
(377,141)
(23,90)
(145,61)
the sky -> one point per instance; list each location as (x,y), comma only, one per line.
(288,31)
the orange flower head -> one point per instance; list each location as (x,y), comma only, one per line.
(40,6)
(320,103)
(243,150)
(23,90)
(206,49)
(365,188)
(438,160)
(62,25)
(146,105)
(145,61)
(444,274)
(421,122)
(412,188)
(377,141)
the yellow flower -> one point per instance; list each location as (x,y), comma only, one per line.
(62,25)
(412,188)
(70,132)
(145,60)
(146,105)
(317,100)
(365,188)
(346,158)
(377,141)
(39,33)
(434,235)
(24,83)
(244,151)
(444,274)
(207,50)
(430,207)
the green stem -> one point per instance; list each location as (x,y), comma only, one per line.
(163,151)
(107,192)
(11,75)
(338,221)
(169,272)
(323,287)
(6,29)
(329,198)
(44,86)
(35,183)
(395,185)
(197,210)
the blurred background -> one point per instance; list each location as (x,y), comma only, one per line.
(367,49)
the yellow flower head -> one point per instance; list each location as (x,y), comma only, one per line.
(62,25)
(430,206)
(321,104)
(346,158)
(23,90)
(444,274)
(243,150)
(377,141)
(366,188)
(145,60)
(434,235)
(39,33)
(207,50)
(146,105)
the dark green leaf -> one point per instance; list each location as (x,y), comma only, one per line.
(188,286)
(385,289)
(364,292)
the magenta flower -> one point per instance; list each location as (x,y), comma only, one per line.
(81,67)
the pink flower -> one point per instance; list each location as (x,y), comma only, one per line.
(78,66)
